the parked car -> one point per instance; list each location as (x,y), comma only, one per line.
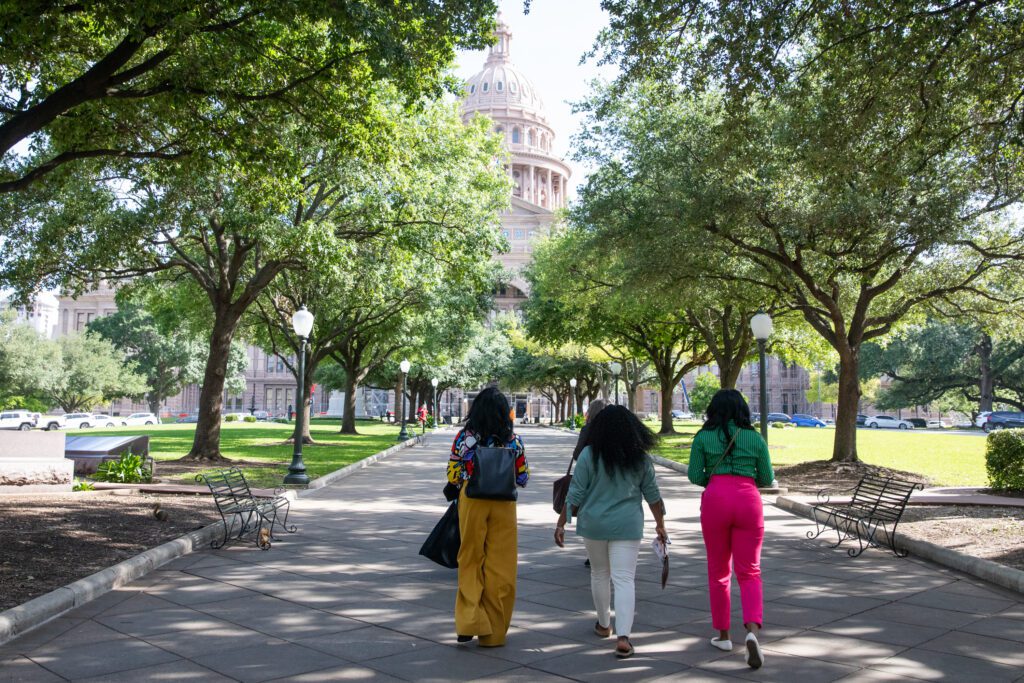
(887,422)
(140,419)
(806,421)
(982,418)
(104,420)
(935,424)
(261,415)
(51,422)
(918,422)
(22,420)
(682,415)
(779,417)
(79,420)
(861,420)
(1003,419)
(188,419)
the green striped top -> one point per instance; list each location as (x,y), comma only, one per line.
(748,458)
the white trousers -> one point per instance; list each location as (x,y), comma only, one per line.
(613,563)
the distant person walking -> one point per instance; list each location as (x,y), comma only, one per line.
(595,407)
(730,459)
(489,553)
(613,476)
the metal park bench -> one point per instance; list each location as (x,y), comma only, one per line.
(254,516)
(877,504)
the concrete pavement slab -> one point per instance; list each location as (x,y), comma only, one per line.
(349,599)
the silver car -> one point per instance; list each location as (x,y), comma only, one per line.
(887,422)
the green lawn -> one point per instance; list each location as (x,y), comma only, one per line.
(262,442)
(948,459)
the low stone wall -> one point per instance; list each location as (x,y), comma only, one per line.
(34,461)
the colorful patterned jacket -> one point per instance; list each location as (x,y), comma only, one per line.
(460,464)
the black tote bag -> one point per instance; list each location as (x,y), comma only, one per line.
(442,545)
(494,474)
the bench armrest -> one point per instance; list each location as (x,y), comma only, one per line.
(824,496)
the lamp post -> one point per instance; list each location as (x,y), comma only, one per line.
(302,323)
(616,368)
(404,367)
(572,404)
(761,326)
(437,413)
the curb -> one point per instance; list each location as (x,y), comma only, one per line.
(37,611)
(993,572)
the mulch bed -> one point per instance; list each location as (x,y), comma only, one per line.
(48,541)
(811,477)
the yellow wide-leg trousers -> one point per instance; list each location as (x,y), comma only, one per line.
(487,569)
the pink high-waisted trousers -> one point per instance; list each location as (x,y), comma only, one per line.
(732,519)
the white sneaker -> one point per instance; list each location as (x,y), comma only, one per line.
(755,658)
(723,645)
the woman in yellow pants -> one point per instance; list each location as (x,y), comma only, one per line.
(489,553)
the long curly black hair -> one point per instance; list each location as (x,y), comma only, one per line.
(727,405)
(490,416)
(619,439)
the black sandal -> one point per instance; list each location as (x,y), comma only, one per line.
(463,639)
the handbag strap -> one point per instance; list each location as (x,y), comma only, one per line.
(724,453)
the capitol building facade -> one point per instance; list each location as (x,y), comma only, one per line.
(540,179)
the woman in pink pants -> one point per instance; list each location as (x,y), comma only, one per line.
(730,459)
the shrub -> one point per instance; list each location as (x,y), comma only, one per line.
(249,418)
(231,417)
(430,422)
(1004,459)
(128,469)
(577,419)
(779,425)
(83,485)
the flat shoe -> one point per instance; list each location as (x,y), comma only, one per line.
(755,658)
(463,639)
(624,654)
(723,645)
(603,631)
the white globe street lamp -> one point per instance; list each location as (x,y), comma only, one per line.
(302,323)
(616,368)
(437,413)
(572,405)
(761,326)
(404,367)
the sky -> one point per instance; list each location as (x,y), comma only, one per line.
(547,45)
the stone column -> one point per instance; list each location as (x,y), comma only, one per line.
(565,189)
(533,186)
(551,199)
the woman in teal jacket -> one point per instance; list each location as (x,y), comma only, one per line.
(613,476)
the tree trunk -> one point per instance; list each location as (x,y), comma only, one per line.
(206,442)
(729,373)
(154,400)
(348,414)
(667,385)
(845,446)
(986,382)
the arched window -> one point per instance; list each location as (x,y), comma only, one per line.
(498,85)
(533,138)
(485,87)
(472,89)
(515,136)
(512,87)
(499,130)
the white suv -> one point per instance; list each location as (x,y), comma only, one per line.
(17,419)
(79,421)
(140,419)
(51,422)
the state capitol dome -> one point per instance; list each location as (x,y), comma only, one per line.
(503,93)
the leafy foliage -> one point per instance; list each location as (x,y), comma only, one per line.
(704,388)
(127,469)
(1004,459)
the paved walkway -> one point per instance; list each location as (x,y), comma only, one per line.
(349,599)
